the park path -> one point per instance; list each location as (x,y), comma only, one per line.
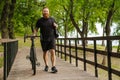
(21,69)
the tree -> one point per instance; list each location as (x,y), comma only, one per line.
(1,8)
(110,14)
(26,14)
(10,19)
(4,19)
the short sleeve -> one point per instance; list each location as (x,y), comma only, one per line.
(53,20)
(38,24)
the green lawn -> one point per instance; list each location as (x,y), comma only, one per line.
(1,58)
(28,42)
(1,48)
(1,62)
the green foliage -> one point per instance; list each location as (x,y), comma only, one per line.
(1,6)
(89,10)
(92,11)
(117,30)
(26,15)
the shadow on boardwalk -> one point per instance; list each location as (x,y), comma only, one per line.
(21,69)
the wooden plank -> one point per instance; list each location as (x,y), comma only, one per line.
(21,69)
(7,40)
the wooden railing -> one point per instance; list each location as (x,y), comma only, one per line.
(10,51)
(66,46)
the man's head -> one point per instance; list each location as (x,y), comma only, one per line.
(45,12)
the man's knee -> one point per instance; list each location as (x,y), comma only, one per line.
(52,51)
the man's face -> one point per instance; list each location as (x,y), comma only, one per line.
(45,13)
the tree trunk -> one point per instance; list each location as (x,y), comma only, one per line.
(4,20)
(72,18)
(107,27)
(85,30)
(1,3)
(108,22)
(77,37)
(103,42)
(10,20)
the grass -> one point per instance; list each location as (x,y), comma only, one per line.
(1,48)
(1,58)
(1,62)
(28,42)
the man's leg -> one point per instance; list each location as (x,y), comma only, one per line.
(53,57)
(53,60)
(45,57)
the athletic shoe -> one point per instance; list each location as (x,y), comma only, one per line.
(54,70)
(46,68)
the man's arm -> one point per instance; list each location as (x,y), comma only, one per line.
(36,28)
(35,31)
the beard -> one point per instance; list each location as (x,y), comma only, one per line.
(46,15)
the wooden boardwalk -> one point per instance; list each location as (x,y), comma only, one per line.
(21,69)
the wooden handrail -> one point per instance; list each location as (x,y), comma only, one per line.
(7,40)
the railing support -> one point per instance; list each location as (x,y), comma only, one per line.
(61,47)
(109,59)
(84,55)
(95,59)
(5,61)
(76,53)
(65,49)
(70,51)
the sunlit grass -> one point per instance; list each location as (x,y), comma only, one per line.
(1,57)
(1,48)
(1,62)
(28,42)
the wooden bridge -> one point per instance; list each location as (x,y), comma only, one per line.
(21,69)
(75,56)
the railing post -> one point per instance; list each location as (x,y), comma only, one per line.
(70,50)
(95,59)
(84,55)
(58,47)
(109,59)
(65,49)
(10,56)
(76,53)
(5,61)
(61,48)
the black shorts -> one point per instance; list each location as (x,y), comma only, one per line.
(47,45)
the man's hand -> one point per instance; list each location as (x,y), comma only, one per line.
(55,25)
(35,32)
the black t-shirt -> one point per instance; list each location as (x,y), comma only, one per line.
(46,28)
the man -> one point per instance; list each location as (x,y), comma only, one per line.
(47,37)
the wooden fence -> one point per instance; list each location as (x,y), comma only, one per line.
(10,51)
(66,46)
